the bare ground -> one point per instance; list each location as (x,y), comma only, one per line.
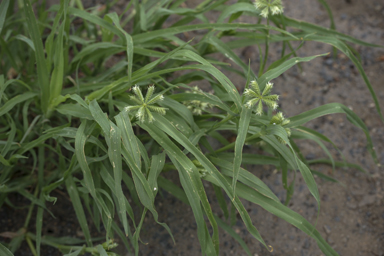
(351,216)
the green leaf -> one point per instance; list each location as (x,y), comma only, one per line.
(101,250)
(224,81)
(128,136)
(39,225)
(233,234)
(173,189)
(123,238)
(245,118)
(310,136)
(114,152)
(26,40)
(92,48)
(245,177)
(224,49)
(281,211)
(324,177)
(16,100)
(291,158)
(275,72)
(326,6)
(74,110)
(4,161)
(42,70)
(128,42)
(180,109)
(333,108)
(190,180)
(80,140)
(324,32)
(337,164)
(4,250)
(3,13)
(163,124)
(142,186)
(77,205)
(140,38)
(75,253)
(157,165)
(15,243)
(346,50)
(108,179)
(221,200)
(91,18)
(235,8)
(57,76)
(143,18)
(253,159)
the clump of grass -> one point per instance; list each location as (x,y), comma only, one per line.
(74,118)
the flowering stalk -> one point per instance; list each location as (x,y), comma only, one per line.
(265,7)
(258,98)
(279,119)
(197,107)
(144,105)
(269,6)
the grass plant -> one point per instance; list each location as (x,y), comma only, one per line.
(100,104)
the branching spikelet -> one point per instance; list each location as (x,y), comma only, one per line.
(279,119)
(267,89)
(144,105)
(197,107)
(269,6)
(255,98)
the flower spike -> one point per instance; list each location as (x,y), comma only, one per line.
(258,98)
(144,105)
(269,6)
(279,119)
(197,107)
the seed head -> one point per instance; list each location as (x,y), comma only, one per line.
(144,106)
(267,6)
(256,98)
(197,107)
(279,119)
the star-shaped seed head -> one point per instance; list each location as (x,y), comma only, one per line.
(266,6)
(279,119)
(145,105)
(197,107)
(258,98)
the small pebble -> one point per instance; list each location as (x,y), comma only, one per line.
(351,206)
(327,229)
(367,200)
(329,62)
(307,244)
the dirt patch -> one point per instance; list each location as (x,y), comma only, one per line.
(351,216)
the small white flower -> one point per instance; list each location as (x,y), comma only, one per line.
(266,6)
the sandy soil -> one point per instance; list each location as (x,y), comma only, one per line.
(351,216)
